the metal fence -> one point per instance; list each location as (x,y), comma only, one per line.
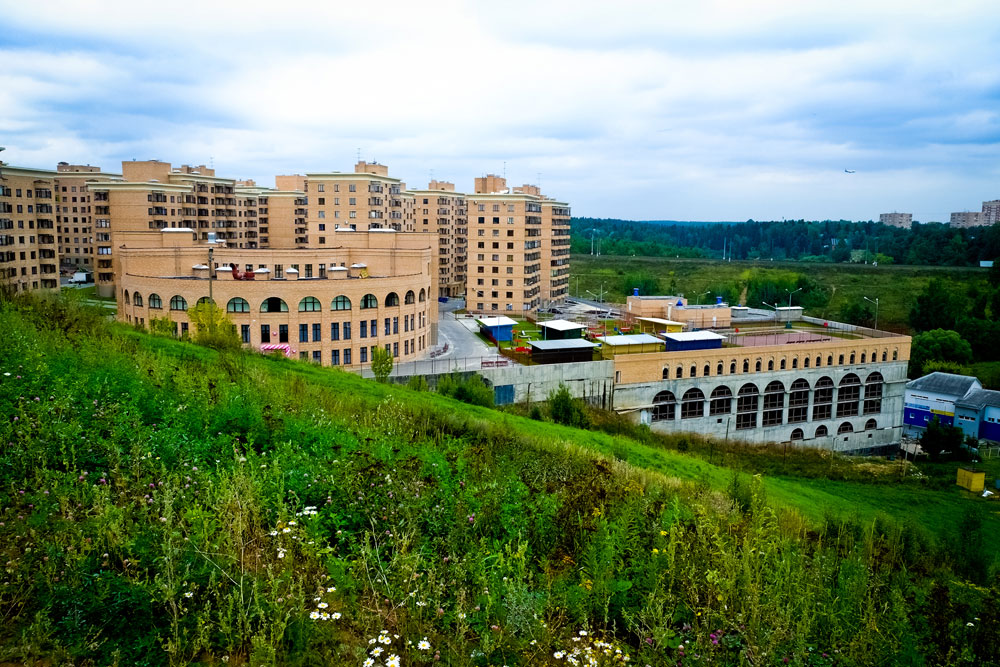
(441,366)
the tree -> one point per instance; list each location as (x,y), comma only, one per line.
(212,327)
(564,409)
(938,306)
(938,345)
(938,438)
(859,313)
(162,326)
(381,363)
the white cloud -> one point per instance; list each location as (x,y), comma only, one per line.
(714,110)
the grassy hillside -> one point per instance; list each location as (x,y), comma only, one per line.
(165,504)
(896,287)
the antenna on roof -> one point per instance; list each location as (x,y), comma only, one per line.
(359,155)
(539,179)
(505,170)
(211,162)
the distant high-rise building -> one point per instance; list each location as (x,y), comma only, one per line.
(991,212)
(903,220)
(966,219)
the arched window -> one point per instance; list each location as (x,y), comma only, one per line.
(409,298)
(155,301)
(884,354)
(310,304)
(369,301)
(746,365)
(871,425)
(829,360)
(746,407)
(795,363)
(823,399)
(845,428)
(895,354)
(706,371)
(693,404)
(849,396)
(873,393)
(822,432)
(125,296)
(797,434)
(721,401)
(680,372)
(863,357)
(391,299)
(852,359)
(274,304)
(798,402)
(340,303)
(718,368)
(423,296)
(732,368)
(202,300)
(136,298)
(819,361)
(238,305)
(840,360)
(177,302)
(774,403)
(757,366)
(663,406)
(694,371)
(770,364)
(666,372)
(805,362)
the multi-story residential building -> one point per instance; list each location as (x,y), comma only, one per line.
(966,219)
(74,214)
(29,252)
(902,220)
(366,199)
(991,212)
(512,267)
(441,210)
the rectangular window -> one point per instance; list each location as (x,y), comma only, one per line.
(318,356)
(265,333)
(347,356)
(317,332)
(364,354)
(282,333)
(320,188)
(303,333)
(279,271)
(395,325)
(363,332)
(395,349)
(334,330)
(334,357)
(373,327)
(388,326)
(245,333)
(347,331)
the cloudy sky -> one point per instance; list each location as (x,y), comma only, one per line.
(707,110)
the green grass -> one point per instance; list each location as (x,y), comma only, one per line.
(168,504)
(896,287)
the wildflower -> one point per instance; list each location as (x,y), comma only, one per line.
(325,616)
(322,605)
(291,523)
(424,645)
(314,615)
(286,530)
(393,661)
(189,594)
(970,624)
(377,651)
(331,589)
(558,655)
(583,633)
(368,663)
(656,551)
(461,614)
(336,615)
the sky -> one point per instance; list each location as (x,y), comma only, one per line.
(707,110)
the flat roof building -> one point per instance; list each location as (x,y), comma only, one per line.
(901,220)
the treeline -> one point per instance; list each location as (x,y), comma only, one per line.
(800,240)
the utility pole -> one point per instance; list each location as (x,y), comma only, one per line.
(876,309)
(211,273)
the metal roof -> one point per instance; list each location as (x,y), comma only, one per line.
(564,344)
(977,399)
(944,383)
(562,325)
(501,321)
(688,336)
(660,320)
(632,339)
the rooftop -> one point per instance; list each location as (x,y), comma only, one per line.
(688,336)
(977,399)
(944,383)
(631,339)
(561,325)
(564,344)
(500,321)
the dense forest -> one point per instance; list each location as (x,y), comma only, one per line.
(827,241)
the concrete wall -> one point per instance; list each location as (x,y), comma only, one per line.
(591,380)
(637,400)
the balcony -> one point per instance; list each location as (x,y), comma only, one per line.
(46,239)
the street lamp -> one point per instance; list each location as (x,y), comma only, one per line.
(876,309)
(698,302)
(790,293)
(775,307)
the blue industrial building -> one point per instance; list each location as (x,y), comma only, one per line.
(954,400)
(497,328)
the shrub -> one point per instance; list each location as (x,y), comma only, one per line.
(564,409)
(381,363)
